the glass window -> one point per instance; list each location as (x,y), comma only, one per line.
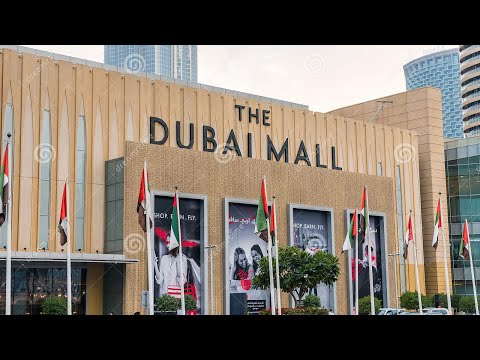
(80,161)
(463,180)
(45,158)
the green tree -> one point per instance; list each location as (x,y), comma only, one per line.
(299,271)
(364,305)
(409,300)
(54,305)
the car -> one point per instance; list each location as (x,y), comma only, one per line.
(390,311)
(409,313)
(438,311)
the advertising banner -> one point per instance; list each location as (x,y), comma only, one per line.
(311,231)
(167,268)
(361,265)
(244,251)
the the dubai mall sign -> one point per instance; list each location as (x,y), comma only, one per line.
(210,144)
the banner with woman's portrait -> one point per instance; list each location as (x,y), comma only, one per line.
(360,266)
(167,270)
(310,231)
(243,254)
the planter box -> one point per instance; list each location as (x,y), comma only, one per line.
(165,313)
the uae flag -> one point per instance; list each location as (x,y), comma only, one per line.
(4,186)
(465,243)
(63,223)
(438,225)
(144,200)
(262,213)
(349,242)
(408,237)
(273,229)
(174,240)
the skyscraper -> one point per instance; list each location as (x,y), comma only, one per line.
(469,69)
(441,70)
(176,61)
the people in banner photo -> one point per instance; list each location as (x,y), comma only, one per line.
(241,269)
(245,249)
(167,267)
(311,233)
(257,254)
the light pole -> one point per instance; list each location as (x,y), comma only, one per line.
(394,256)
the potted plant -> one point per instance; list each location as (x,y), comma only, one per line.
(54,305)
(167,305)
(190,305)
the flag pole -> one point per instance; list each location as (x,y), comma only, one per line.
(151,307)
(270,261)
(356,265)
(8,290)
(445,259)
(277,265)
(370,271)
(417,279)
(182,292)
(69,260)
(474,283)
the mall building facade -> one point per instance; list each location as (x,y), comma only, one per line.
(97,124)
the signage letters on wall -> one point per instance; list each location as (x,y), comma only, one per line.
(254,115)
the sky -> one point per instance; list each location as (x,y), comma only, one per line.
(324,77)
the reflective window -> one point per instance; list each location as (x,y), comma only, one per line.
(45,158)
(80,166)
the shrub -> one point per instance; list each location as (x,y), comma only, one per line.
(409,300)
(442,301)
(167,303)
(426,301)
(364,305)
(455,299)
(298,311)
(467,304)
(190,303)
(311,301)
(54,305)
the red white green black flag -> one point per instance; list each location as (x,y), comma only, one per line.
(144,200)
(262,213)
(438,225)
(63,227)
(465,243)
(175,226)
(4,186)
(349,242)
(408,237)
